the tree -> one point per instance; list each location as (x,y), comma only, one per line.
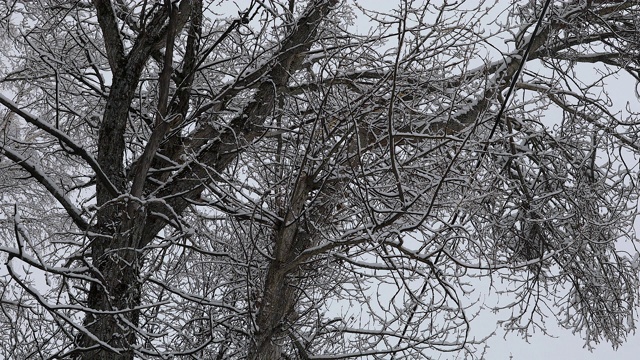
(277,184)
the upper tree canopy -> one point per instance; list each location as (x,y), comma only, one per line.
(313,179)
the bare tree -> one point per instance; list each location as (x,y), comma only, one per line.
(283,184)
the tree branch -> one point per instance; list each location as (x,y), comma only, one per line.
(111,34)
(36,172)
(63,138)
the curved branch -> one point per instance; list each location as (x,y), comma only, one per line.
(63,138)
(36,172)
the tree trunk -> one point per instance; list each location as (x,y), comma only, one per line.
(279,291)
(121,293)
(277,303)
(115,303)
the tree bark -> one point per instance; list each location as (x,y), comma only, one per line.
(117,262)
(113,301)
(279,292)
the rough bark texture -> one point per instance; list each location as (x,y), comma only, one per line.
(279,293)
(117,263)
(115,252)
